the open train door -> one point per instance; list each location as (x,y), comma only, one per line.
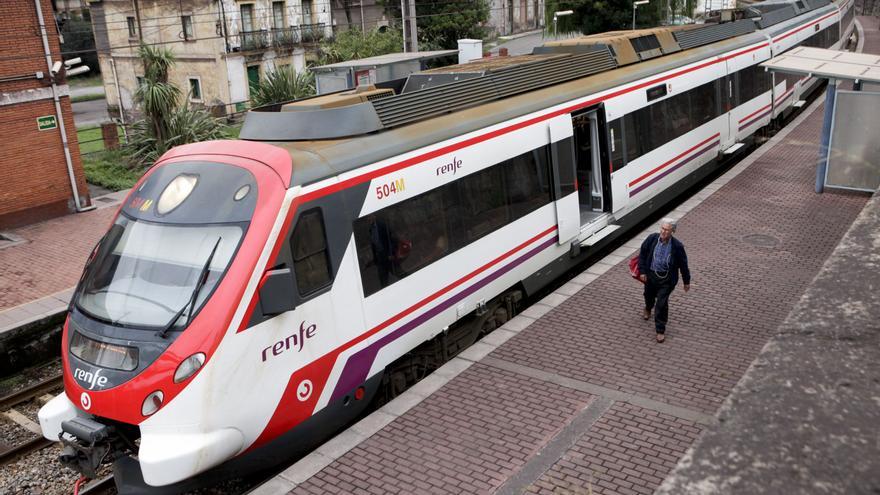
(564,178)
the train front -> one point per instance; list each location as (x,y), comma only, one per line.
(158,296)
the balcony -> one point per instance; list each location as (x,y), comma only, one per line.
(253,40)
(285,38)
(277,38)
(312,33)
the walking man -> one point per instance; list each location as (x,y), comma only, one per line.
(660,259)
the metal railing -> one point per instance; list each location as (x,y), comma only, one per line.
(253,40)
(312,33)
(281,38)
(285,37)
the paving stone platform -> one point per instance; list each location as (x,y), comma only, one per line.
(574,395)
(38,273)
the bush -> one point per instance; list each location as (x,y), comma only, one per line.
(167,122)
(111,170)
(183,125)
(353,44)
(283,85)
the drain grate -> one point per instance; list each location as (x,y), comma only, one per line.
(762,240)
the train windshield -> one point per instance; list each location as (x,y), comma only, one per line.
(147,274)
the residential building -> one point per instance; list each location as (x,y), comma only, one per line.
(222,47)
(42,177)
(508,17)
(361,14)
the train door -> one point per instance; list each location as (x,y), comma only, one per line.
(593,179)
(564,181)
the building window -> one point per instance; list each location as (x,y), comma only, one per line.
(247,17)
(188,30)
(307,11)
(132,29)
(195,89)
(278,15)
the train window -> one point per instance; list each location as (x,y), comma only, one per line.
(678,113)
(633,139)
(658,122)
(703,105)
(401,239)
(484,204)
(615,135)
(753,81)
(311,263)
(421,233)
(525,179)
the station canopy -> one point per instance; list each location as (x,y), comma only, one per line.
(832,64)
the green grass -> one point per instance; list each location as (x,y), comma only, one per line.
(109,169)
(82,82)
(82,98)
(90,139)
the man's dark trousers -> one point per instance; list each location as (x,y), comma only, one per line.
(658,289)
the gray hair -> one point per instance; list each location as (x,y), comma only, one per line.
(672,223)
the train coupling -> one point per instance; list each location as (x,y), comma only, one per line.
(88,444)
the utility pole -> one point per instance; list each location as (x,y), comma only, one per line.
(413,29)
(410,30)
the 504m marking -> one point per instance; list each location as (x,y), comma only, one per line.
(393,187)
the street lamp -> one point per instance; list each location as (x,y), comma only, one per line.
(636,4)
(558,14)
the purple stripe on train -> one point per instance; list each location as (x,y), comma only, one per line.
(358,366)
(754,120)
(674,168)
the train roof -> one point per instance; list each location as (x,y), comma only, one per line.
(332,134)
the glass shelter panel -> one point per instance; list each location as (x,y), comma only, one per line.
(854,151)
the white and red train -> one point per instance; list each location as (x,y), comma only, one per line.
(252,296)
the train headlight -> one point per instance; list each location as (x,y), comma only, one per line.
(152,403)
(175,193)
(188,367)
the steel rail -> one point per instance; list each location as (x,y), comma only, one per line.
(99,486)
(31,392)
(10,455)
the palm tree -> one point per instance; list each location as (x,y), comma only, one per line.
(158,98)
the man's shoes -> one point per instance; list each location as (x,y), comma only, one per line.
(646,314)
(661,338)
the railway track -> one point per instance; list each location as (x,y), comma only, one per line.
(8,403)
(101,486)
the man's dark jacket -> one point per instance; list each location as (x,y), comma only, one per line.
(678,260)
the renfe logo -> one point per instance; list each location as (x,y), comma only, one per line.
(452,166)
(90,378)
(295,340)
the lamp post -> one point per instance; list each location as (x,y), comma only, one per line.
(558,14)
(636,4)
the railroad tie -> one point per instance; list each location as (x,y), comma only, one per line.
(23,421)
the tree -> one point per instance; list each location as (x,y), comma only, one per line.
(442,23)
(599,16)
(353,44)
(282,85)
(167,122)
(79,41)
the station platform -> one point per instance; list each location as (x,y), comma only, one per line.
(574,395)
(41,263)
